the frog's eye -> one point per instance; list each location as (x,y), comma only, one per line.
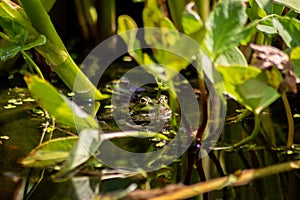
(163,99)
(144,101)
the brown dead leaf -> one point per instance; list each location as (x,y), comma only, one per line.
(268,56)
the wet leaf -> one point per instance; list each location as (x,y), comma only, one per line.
(85,147)
(49,153)
(59,106)
(248,86)
(9,51)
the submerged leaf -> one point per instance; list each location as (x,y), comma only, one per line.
(85,147)
(49,153)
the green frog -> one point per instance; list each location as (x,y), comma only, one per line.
(147,109)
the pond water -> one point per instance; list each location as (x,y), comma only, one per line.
(22,123)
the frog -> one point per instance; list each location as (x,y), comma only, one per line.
(147,109)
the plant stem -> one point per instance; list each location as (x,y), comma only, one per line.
(289,115)
(203,9)
(32,63)
(253,134)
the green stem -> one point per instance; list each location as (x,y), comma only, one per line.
(203,9)
(173,100)
(289,115)
(41,20)
(253,134)
(56,54)
(32,63)
(176,9)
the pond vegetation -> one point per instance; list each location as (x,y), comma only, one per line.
(195,99)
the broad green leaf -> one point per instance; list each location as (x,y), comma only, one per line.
(153,17)
(9,51)
(295,58)
(231,56)
(288,29)
(266,26)
(254,11)
(248,86)
(64,110)
(293,4)
(224,26)
(50,153)
(270,7)
(191,21)
(127,29)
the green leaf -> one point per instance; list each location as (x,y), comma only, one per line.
(88,143)
(48,4)
(248,86)
(295,58)
(289,29)
(224,26)
(232,56)
(64,110)
(191,21)
(9,51)
(127,29)
(293,4)
(265,25)
(269,7)
(15,32)
(49,153)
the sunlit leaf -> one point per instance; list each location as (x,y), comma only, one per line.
(248,86)
(64,110)
(231,56)
(293,4)
(270,7)
(49,153)
(295,58)
(289,29)
(191,21)
(127,29)
(225,25)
